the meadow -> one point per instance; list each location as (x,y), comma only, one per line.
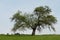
(29,37)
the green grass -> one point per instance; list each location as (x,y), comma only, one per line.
(27,37)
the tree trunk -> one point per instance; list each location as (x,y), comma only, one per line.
(33,32)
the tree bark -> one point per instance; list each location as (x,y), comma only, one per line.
(33,32)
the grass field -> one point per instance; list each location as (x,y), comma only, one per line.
(27,37)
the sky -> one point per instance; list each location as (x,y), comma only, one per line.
(9,7)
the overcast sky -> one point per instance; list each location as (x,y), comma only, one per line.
(9,7)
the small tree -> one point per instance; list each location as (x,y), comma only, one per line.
(41,18)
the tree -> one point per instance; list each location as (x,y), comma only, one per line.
(44,18)
(41,18)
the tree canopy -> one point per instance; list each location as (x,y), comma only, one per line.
(40,18)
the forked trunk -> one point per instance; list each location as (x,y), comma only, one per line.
(33,32)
